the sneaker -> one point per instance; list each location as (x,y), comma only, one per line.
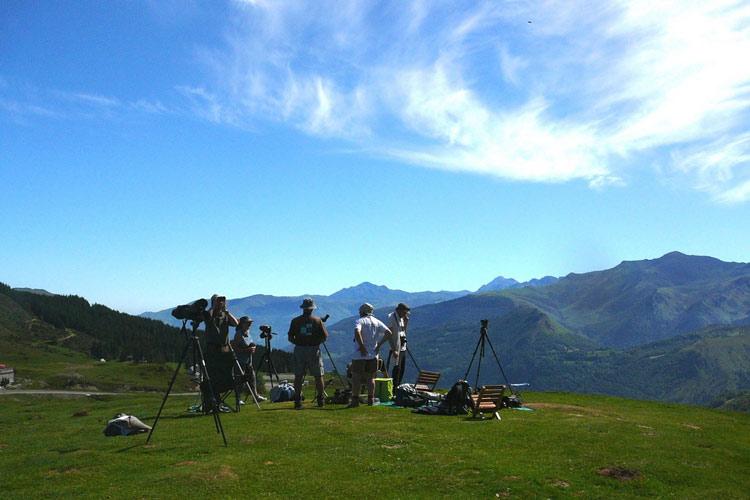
(321,402)
(241,402)
(260,398)
(298,405)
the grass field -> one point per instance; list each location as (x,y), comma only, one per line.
(570,446)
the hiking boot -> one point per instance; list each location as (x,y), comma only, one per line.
(321,402)
(297,404)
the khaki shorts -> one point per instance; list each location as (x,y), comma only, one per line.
(307,359)
(365,366)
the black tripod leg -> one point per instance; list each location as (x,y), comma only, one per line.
(479,361)
(272,369)
(169,389)
(214,402)
(500,366)
(412,360)
(330,358)
(466,375)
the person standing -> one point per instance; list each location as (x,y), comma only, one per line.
(244,348)
(369,334)
(218,320)
(218,357)
(307,332)
(398,321)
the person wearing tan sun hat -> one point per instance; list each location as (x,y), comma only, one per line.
(307,332)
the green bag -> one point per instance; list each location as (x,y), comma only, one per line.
(384,389)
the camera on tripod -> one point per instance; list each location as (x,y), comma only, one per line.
(265,331)
(193,311)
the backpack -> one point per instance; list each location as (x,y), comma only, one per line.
(458,399)
(282,392)
(512,401)
(340,397)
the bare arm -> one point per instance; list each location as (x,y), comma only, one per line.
(360,342)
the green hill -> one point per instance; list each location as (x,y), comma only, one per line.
(645,301)
(700,367)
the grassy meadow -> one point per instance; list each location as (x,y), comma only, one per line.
(570,446)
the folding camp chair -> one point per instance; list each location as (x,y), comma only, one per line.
(489,398)
(426,381)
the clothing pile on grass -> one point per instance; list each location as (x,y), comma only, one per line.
(457,401)
(125,425)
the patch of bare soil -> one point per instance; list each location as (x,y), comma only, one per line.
(573,410)
(226,472)
(619,473)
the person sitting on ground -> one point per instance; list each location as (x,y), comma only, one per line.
(307,332)
(369,335)
(244,348)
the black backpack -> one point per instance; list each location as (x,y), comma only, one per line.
(458,399)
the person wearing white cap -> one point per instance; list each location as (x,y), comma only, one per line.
(369,334)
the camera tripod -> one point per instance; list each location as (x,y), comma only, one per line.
(411,356)
(344,383)
(270,369)
(191,340)
(484,339)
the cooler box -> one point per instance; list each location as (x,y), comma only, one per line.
(384,389)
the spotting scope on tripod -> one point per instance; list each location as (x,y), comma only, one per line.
(195,314)
(266,334)
(484,339)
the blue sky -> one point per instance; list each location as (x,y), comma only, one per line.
(155,152)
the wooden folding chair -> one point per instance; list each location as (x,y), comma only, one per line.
(426,381)
(489,398)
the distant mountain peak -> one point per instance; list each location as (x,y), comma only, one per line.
(499,283)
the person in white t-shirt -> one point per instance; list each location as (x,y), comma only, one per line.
(369,335)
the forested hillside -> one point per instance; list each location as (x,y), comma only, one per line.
(33,323)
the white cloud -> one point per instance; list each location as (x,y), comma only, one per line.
(511,65)
(91,99)
(721,168)
(549,91)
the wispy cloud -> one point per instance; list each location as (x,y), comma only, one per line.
(23,102)
(91,99)
(575,92)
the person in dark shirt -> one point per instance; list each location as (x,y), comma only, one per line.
(218,320)
(219,359)
(307,332)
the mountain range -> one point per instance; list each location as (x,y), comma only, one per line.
(668,328)
(278,311)
(675,328)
